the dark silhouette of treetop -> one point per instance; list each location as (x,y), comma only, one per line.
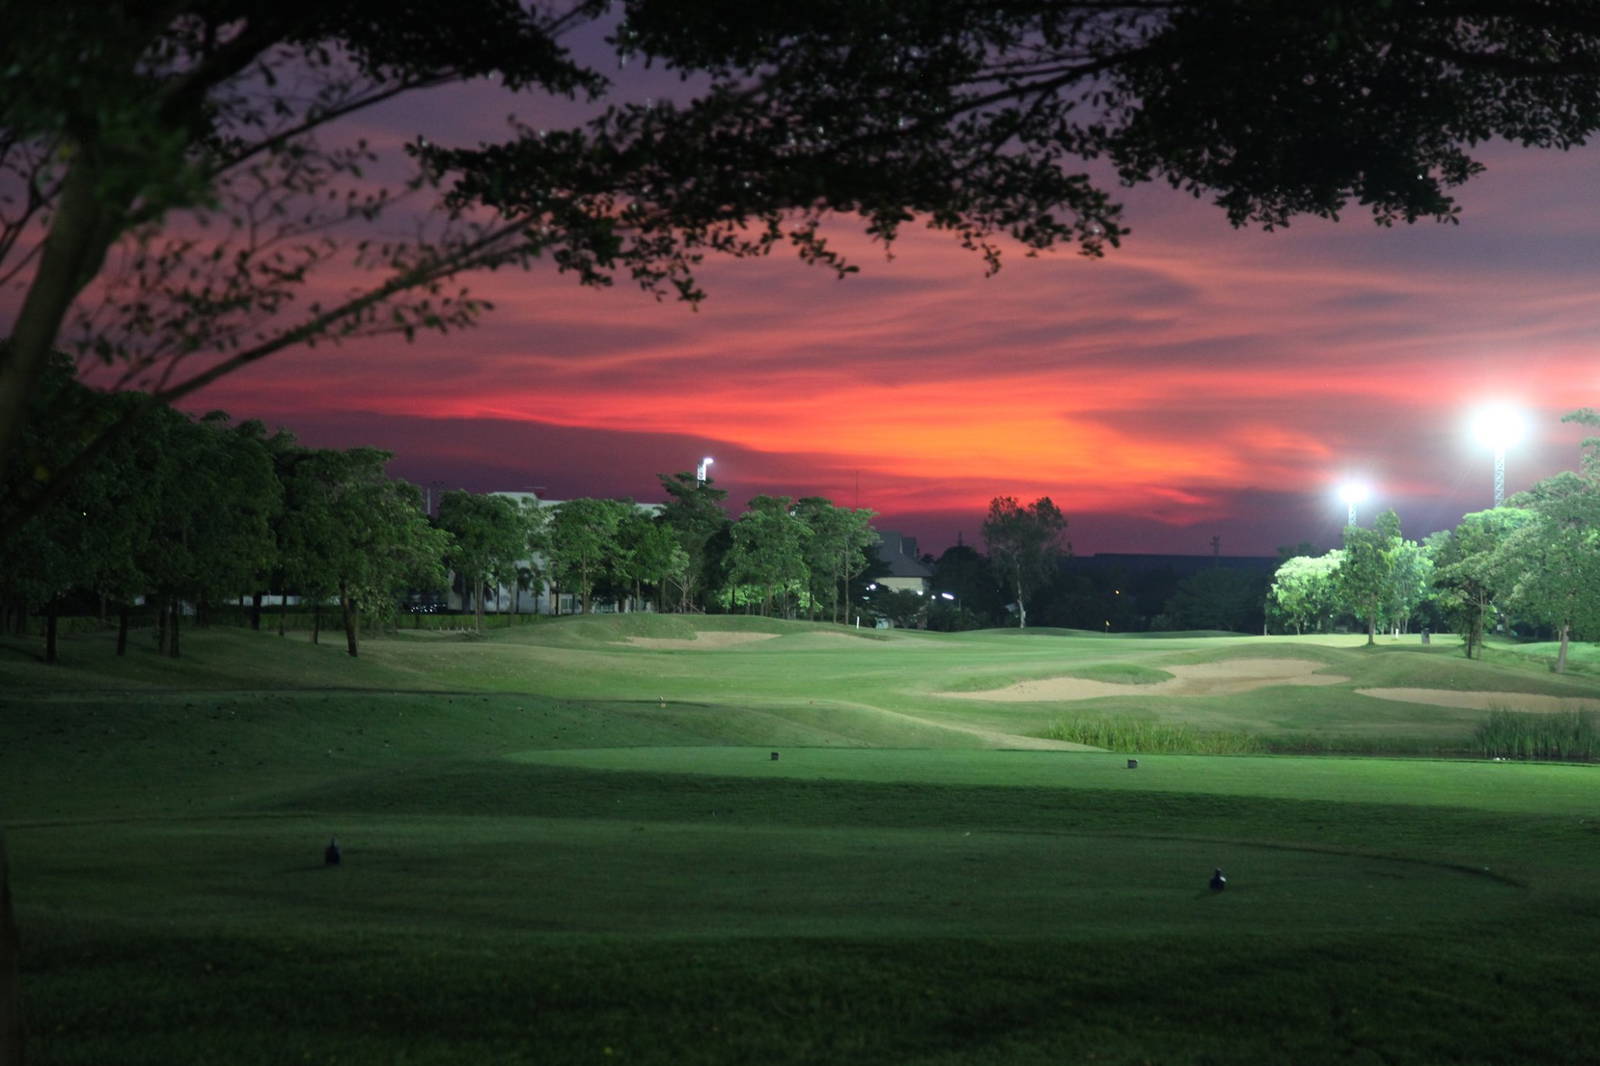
(176,179)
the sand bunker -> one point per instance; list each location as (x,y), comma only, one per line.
(1201,679)
(706,640)
(1483,701)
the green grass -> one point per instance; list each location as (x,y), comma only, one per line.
(563,848)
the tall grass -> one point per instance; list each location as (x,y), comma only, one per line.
(1145,737)
(1563,735)
(1384,746)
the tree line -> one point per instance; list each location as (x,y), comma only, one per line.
(181,515)
(780,556)
(1532,564)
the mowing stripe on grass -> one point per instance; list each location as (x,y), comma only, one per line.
(1533,789)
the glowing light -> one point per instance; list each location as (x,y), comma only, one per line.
(1498,426)
(1354,493)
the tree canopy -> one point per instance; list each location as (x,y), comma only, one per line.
(1024,543)
(213,145)
(1304,589)
(1365,579)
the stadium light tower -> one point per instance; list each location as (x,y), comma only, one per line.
(1498,427)
(1353,493)
(700,471)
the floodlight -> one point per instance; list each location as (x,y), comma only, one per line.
(1353,493)
(1498,426)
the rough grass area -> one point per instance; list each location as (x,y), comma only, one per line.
(560,847)
(1135,736)
(1568,735)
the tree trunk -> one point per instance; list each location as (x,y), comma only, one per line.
(1561,656)
(1022,611)
(10,953)
(477,603)
(122,630)
(161,626)
(255,612)
(316,621)
(85,222)
(50,632)
(172,632)
(1372,630)
(347,605)
(283,612)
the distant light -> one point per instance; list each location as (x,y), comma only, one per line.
(946,596)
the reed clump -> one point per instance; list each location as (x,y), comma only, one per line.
(1142,736)
(1571,736)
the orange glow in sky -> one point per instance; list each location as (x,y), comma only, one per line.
(1198,381)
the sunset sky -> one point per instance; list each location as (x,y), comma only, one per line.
(1198,381)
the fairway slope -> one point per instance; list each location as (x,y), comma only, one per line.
(1483,701)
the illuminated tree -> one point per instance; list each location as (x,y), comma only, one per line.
(836,552)
(1365,578)
(769,550)
(583,542)
(1304,590)
(1472,572)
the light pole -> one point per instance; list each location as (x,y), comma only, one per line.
(1498,427)
(700,471)
(1352,493)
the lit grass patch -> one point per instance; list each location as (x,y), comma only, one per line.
(1110,673)
(1569,736)
(1143,736)
(1120,674)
